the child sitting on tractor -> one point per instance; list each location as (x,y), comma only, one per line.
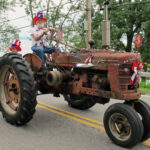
(15,46)
(39,35)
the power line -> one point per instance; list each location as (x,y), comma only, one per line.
(30,25)
(68,14)
(41,10)
(14,19)
(112,7)
(4,31)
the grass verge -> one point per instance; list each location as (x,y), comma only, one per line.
(145,86)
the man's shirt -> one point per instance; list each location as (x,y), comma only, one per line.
(42,41)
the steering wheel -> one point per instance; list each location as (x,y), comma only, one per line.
(57,37)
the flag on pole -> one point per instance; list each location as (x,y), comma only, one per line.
(60,34)
(138,42)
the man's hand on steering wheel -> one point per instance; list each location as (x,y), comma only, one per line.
(52,29)
(45,31)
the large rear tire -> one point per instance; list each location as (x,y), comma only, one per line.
(17,89)
(80,102)
(123,125)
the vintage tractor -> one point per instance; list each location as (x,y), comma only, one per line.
(84,78)
(82,85)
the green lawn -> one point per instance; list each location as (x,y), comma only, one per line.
(145,87)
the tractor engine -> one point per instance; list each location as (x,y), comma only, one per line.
(101,74)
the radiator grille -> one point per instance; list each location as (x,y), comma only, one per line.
(125,74)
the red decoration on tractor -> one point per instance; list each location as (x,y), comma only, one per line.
(88,60)
(137,64)
(138,42)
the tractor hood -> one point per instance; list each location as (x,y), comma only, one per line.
(97,57)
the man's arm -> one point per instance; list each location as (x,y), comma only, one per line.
(37,37)
(50,35)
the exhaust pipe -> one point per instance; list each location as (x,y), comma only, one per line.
(54,78)
(106,27)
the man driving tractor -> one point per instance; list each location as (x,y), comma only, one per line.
(39,35)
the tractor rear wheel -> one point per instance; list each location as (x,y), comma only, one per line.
(80,102)
(17,89)
(123,125)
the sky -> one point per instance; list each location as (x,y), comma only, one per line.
(18,12)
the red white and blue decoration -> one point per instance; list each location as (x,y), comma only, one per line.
(39,15)
(136,68)
(15,44)
(89,59)
(137,64)
(138,42)
(60,34)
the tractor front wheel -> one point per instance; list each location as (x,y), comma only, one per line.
(123,125)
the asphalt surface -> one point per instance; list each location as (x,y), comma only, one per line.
(56,126)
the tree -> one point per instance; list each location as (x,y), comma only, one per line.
(7,32)
(78,36)
(55,14)
(145,48)
(127,19)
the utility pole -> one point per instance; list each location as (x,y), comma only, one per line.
(88,19)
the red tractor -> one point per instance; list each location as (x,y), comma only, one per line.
(83,85)
(84,78)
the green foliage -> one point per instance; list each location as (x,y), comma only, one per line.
(145,49)
(55,14)
(78,37)
(144,86)
(7,32)
(126,22)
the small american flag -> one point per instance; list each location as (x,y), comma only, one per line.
(60,34)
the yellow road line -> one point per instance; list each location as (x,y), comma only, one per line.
(70,113)
(73,118)
(146,143)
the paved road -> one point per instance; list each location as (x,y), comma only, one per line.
(61,128)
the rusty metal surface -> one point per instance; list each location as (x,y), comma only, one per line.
(34,61)
(12,89)
(109,77)
(113,76)
(100,56)
(135,95)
